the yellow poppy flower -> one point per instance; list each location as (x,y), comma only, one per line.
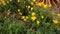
(42,16)
(3,2)
(58,15)
(10,0)
(58,28)
(31,8)
(55,21)
(23,17)
(34,0)
(38,22)
(32,3)
(33,14)
(28,7)
(27,17)
(33,18)
(45,6)
(18,1)
(18,10)
(40,4)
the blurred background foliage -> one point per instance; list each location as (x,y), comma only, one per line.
(28,17)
